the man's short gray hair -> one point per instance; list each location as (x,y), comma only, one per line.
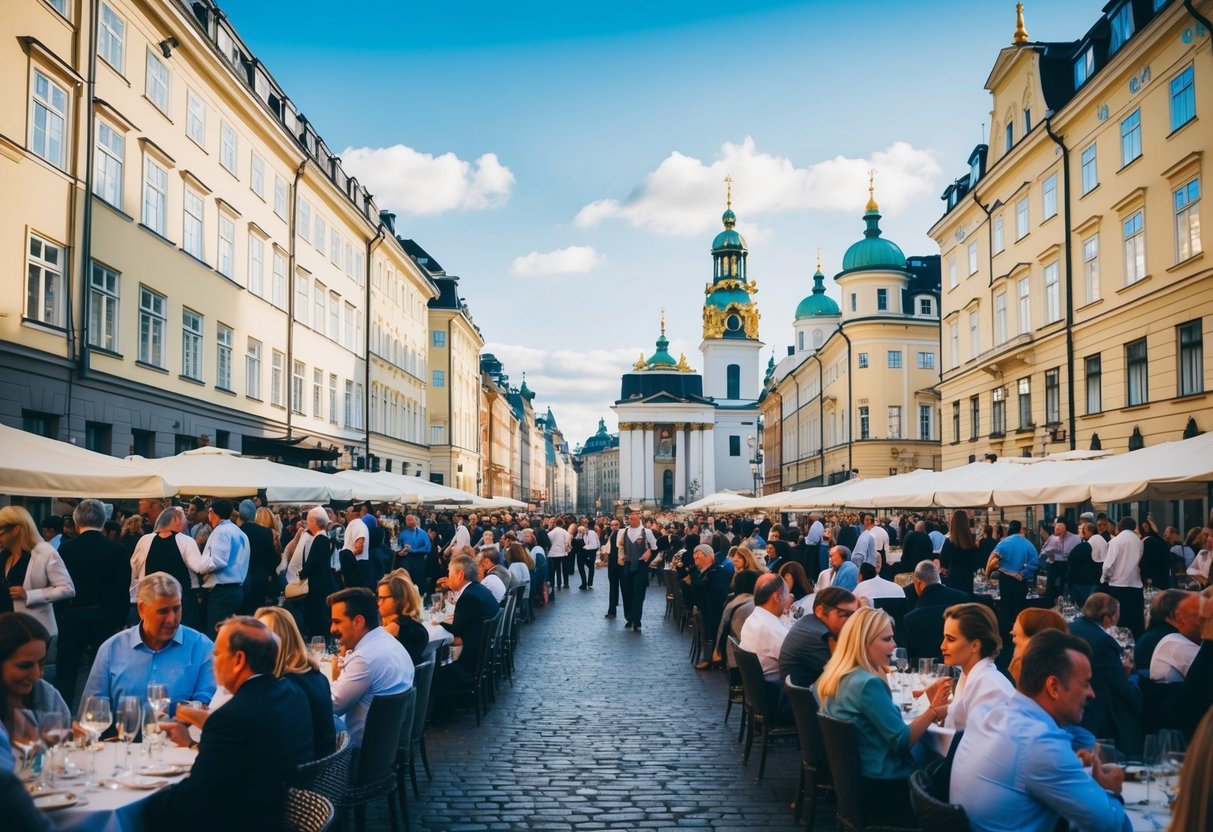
(927,572)
(706,549)
(248,511)
(90,514)
(166,517)
(846,552)
(920,526)
(157,585)
(319,515)
(467,565)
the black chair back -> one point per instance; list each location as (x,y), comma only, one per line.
(753,683)
(423,680)
(487,630)
(307,812)
(804,711)
(933,813)
(838,736)
(329,776)
(381,736)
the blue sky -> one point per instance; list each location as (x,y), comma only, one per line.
(566,159)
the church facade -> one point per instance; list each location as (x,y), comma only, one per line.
(682,434)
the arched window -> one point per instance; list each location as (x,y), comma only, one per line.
(732,374)
(818,338)
(800,340)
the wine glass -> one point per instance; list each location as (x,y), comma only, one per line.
(55,728)
(901,659)
(1172,766)
(318,646)
(129,720)
(95,718)
(1151,762)
(158,698)
(24,739)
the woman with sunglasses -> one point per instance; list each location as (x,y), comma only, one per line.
(34,576)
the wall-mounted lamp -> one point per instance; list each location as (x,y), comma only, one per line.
(168,45)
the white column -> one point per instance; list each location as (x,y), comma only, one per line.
(695,463)
(638,465)
(709,461)
(625,464)
(649,449)
(680,463)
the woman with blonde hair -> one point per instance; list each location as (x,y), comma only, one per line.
(852,687)
(271,521)
(35,577)
(970,642)
(1193,806)
(400,613)
(295,666)
(743,558)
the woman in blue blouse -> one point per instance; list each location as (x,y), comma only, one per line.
(853,687)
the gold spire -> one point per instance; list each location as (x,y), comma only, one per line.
(640,363)
(728,181)
(663,322)
(872,206)
(1021,34)
(819,258)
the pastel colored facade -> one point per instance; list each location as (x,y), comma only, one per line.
(856,393)
(1077,299)
(597,463)
(560,477)
(499,437)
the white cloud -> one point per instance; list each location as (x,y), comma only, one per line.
(406,180)
(684,194)
(571,260)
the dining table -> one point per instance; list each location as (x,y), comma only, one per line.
(116,805)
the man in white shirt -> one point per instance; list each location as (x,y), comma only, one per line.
(559,536)
(1122,574)
(1175,652)
(488,580)
(358,541)
(371,663)
(763,633)
(1199,568)
(460,539)
(872,585)
(882,543)
(637,546)
(813,541)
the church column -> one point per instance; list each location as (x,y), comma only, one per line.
(638,462)
(650,493)
(680,462)
(695,462)
(709,459)
(625,461)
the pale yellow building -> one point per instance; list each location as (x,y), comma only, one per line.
(500,433)
(194,262)
(857,392)
(1077,300)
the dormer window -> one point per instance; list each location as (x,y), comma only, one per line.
(1084,66)
(974,171)
(1122,26)
(926,307)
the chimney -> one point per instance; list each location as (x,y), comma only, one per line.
(388,219)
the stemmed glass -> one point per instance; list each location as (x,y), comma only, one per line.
(24,739)
(95,718)
(128,721)
(318,646)
(1151,763)
(55,728)
(1171,748)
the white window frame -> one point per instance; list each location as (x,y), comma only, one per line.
(223,356)
(972,258)
(1130,138)
(1137,374)
(256,263)
(1048,197)
(158,82)
(319,305)
(1052,281)
(893,359)
(1089,160)
(303,296)
(954,340)
(104,307)
(1133,231)
(304,223)
(953,279)
(926,360)
(48,119)
(1093,382)
(195,118)
(1023,218)
(278,279)
(257,174)
(252,369)
(153,320)
(155,195)
(193,331)
(280,196)
(999,242)
(894,418)
(278,379)
(974,335)
(1000,318)
(111,38)
(926,426)
(298,379)
(1189,337)
(110,161)
(193,224)
(865,422)
(225,260)
(334,317)
(1090,268)
(45,284)
(229,147)
(438,378)
(1183,97)
(1185,201)
(1024,286)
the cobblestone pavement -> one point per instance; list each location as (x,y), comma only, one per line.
(603,729)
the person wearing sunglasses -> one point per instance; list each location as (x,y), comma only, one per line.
(34,576)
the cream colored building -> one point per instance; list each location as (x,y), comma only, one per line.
(453,392)
(1077,300)
(857,391)
(500,432)
(194,261)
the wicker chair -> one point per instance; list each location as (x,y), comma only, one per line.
(933,813)
(841,745)
(388,717)
(759,707)
(423,681)
(306,812)
(814,764)
(329,776)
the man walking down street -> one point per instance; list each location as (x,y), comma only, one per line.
(614,570)
(636,547)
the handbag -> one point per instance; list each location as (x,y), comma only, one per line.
(299,588)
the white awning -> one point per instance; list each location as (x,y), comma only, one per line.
(34,466)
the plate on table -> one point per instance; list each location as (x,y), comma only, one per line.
(47,801)
(143,783)
(163,770)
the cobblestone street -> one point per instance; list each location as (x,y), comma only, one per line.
(604,729)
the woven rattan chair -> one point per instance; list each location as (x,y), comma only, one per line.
(814,764)
(306,811)
(841,745)
(933,813)
(375,775)
(760,707)
(329,776)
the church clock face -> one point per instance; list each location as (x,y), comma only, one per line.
(733,323)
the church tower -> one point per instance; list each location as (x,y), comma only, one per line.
(731,360)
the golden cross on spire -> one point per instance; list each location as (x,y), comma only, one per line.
(663,322)
(819,258)
(872,206)
(728,180)
(1021,33)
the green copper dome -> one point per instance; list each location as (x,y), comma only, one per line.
(662,357)
(873,251)
(817,305)
(721,298)
(729,238)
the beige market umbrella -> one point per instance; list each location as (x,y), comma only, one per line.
(34,466)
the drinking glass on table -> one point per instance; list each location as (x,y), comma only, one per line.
(158,698)
(55,728)
(318,646)
(926,667)
(1172,767)
(1151,763)
(95,718)
(26,742)
(128,721)
(901,659)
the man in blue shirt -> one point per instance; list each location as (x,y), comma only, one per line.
(1015,768)
(415,552)
(227,548)
(865,544)
(1017,570)
(157,649)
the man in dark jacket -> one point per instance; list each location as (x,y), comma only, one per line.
(263,559)
(924,623)
(915,548)
(1116,710)
(250,748)
(475,606)
(101,572)
(709,591)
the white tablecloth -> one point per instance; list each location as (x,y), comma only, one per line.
(112,810)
